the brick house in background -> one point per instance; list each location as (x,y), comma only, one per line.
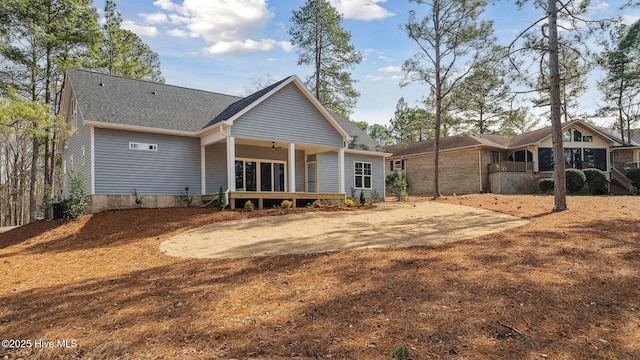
(510,164)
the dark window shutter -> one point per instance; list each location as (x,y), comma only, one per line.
(391,167)
(402,166)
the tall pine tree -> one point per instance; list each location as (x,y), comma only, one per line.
(322,43)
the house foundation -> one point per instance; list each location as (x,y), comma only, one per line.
(99,203)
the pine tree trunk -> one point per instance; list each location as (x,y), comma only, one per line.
(560,187)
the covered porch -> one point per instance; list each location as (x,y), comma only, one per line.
(268,172)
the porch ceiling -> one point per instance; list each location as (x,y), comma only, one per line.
(310,149)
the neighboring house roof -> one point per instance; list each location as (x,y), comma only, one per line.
(615,135)
(118,100)
(486,140)
(446,143)
(360,139)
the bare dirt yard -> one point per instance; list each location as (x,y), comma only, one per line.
(564,286)
(387,224)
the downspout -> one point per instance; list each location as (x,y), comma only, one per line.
(226,193)
(480,167)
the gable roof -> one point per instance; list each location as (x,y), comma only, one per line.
(244,103)
(143,104)
(118,100)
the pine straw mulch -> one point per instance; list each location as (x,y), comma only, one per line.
(566,286)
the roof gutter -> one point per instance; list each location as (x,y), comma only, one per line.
(145,129)
(367,152)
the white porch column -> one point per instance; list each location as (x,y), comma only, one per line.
(341,171)
(292,167)
(203,172)
(231,163)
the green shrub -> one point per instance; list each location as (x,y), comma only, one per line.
(634,176)
(221,202)
(363,199)
(399,187)
(316,204)
(248,206)
(401,353)
(76,204)
(575,180)
(354,193)
(350,203)
(186,197)
(286,204)
(546,185)
(596,180)
(137,198)
(375,195)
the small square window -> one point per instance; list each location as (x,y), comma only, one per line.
(397,164)
(143,146)
(566,136)
(587,138)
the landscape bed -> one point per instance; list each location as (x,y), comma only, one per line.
(564,286)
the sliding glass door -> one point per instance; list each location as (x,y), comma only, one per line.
(266,175)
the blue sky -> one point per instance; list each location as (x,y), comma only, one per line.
(226,45)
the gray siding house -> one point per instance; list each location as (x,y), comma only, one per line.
(278,143)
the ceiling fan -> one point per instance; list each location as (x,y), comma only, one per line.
(274,147)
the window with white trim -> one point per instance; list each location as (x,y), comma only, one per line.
(362,175)
(143,146)
(397,164)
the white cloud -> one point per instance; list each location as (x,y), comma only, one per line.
(226,21)
(165,5)
(628,19)
(391,69)
(246,46)
(231,26)
(373,78)
(178,33)
(385,58)
(599,6)
(150,31)
(155,18)
(362,9)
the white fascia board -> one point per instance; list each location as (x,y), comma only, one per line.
(144,129)
(213,136)
(367,152)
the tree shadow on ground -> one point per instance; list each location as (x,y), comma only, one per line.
(575,297)
(25,232)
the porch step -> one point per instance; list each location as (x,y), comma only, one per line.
(615,188)
(208,199)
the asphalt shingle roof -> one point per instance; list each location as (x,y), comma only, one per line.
(446,143)
(360,139)
(118,100)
